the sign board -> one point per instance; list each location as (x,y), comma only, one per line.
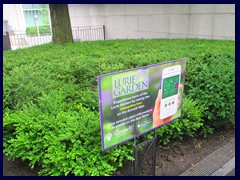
(136,101)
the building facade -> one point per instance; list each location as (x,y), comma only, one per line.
(210,21)
(17,17)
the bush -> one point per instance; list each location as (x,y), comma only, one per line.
(189,124)
(211,80)
(51,99)
(32,30)
(63,143)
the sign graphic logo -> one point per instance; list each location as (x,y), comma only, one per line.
(109,136)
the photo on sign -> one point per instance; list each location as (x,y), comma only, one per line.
(136,101)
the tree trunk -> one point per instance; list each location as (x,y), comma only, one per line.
(61,25)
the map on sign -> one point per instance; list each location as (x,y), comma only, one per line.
(170,86)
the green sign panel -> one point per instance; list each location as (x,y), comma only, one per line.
(136,101)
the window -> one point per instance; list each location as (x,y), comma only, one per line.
(36,13)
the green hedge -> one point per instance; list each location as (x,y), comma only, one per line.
(51,104)
(32,30)
(212,82)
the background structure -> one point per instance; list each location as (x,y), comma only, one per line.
(211,21)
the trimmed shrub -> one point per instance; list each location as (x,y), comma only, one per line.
(211,80)
(66,143)
(51,103)
(189,124)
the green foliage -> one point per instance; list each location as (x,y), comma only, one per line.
(32,30)
(211,80)
(50,99)
(63,143)
(44,13)
(189,124)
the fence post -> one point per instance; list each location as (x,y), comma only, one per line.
(104,37)
(6,41)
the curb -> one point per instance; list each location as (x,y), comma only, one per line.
(225,169)
(219,163)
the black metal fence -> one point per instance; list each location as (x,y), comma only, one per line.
(19,39)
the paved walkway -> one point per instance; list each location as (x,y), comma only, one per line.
(220,163)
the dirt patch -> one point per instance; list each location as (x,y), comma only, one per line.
(18,168)
(171,160)
(179,156)
(176,158)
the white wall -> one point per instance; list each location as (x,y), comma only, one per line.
(213,21)
(86,15)
(13,13)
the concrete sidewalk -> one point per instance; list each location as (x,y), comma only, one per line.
(220,163)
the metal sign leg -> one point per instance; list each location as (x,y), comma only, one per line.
(142,151)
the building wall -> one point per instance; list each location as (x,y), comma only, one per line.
(13,14)
(212,21)
(86,15)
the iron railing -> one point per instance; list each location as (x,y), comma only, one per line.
(88,33)
(19,39)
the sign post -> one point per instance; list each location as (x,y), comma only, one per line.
(142,152)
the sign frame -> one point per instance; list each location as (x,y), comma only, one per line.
(105,95)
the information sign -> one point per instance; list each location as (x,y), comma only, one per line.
(136,101)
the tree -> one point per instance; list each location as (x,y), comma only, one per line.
(61,25)
(44,13)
